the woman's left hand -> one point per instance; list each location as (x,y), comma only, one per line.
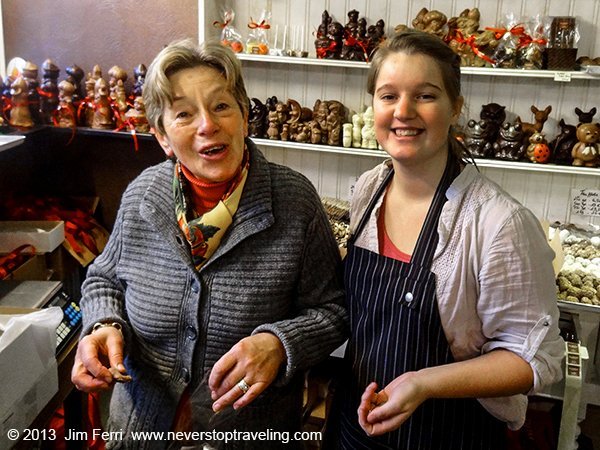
(246,370)
(384,411)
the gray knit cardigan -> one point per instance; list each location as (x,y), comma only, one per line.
(277,270)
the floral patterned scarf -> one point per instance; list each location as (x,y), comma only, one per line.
(204,232)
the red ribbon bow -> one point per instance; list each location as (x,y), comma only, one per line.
(218,24)
(262,24)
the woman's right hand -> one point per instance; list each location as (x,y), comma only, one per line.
(384,411)
(95,351)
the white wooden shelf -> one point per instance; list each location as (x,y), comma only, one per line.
(481,162)
(320,148)
(556,75)
(532,167)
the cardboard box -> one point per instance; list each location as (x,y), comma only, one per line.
(45,236)
(28,368)
(33,269)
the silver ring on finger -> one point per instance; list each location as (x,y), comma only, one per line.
(243,386)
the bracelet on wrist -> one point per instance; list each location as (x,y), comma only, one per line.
(99,325)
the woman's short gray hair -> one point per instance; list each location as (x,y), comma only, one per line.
(186,54)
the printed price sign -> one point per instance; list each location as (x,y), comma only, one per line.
(585,202)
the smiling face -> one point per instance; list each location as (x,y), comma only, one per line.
(204,127)
(413,112)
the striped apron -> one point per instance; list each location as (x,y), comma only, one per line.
(396,328)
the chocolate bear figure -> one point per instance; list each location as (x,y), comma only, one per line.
(587,151)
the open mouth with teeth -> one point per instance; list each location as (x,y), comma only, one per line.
(213,150)
(406,132)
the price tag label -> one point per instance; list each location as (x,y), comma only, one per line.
(585,202)
(562,76)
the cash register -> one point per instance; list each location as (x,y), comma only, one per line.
(43,294)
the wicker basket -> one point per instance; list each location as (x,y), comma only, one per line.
(561,58)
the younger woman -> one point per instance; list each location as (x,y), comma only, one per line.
(449,280)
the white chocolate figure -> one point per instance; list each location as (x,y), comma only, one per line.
(368,130)
(347,135)
(357,124)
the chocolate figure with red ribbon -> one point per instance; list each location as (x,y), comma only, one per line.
(20,113)
(65,115)
(30,75)
(103,114)
(48,91)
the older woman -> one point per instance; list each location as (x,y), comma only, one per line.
(221,267)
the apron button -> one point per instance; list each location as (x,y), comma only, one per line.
(408,297)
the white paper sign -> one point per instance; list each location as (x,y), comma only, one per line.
(585,202)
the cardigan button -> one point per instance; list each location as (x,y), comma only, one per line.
(191,333)
(179,240)
(408,297)
(185,375)
(195,287)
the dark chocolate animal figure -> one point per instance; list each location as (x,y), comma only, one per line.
(510,145)
(563,143)
(495,115)
(257,120)
(477,138)
(585,117)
